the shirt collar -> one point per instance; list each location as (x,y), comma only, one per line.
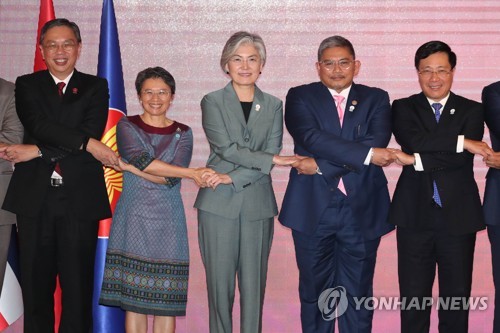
(66,80)
(344,93)
(442,101)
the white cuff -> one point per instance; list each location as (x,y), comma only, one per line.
(460,143)
(418,163)
(368,157)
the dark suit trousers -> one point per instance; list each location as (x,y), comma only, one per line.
(419,251)
(336,255)
(494,236)
(57,242)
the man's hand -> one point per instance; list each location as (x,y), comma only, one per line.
(305,165)
(493,160)
(383,156)
(477,147)
(403,158)
(19,153)
(102,153)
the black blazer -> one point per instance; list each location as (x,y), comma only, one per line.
(416,130)
(59,127)
(491,103)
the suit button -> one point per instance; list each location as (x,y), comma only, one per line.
(247,139)
(332,189)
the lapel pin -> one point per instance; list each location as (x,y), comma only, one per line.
(353,106)
(75,91)
(452,111)
(257,107)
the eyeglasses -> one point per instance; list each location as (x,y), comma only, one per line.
(67,46)
(161,93)
(441,73)
(238,60)
(329,65)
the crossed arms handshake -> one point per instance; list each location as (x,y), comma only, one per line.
(491,158)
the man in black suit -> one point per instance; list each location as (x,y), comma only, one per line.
(491,206)
(436,204)
(57,189)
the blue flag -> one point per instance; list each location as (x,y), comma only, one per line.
(109,66)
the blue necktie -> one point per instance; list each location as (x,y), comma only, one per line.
(435,196)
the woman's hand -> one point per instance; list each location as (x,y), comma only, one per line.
(285,160)
(199,175)
(216,179)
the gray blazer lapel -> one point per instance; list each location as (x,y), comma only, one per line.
(258,107)
(232,104)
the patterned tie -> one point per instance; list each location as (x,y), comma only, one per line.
(338,100)
(60,87)
(435,196)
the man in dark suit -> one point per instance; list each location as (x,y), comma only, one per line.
(57,189)
(337,201)
(436,204)
(491,204)
(11,132)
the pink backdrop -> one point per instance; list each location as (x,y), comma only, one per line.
(186,37)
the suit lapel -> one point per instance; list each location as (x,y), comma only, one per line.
(425,111)
(326,109)
(449,110)
(49,89)
(258,107)
(232,106)
(353,108)
(72,89)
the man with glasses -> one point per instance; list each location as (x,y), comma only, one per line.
(57,189)
(436,204)
(337,201)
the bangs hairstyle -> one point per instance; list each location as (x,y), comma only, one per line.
(154,73)
(60,22)
(240,38)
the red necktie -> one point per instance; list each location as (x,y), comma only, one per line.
(60,87)
(339,99)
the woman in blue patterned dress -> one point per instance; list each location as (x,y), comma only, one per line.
(147,260)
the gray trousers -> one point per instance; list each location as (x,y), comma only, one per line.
(233,248)
(5,231)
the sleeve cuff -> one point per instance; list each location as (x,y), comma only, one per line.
(368,157)
(418,163)
(460,144)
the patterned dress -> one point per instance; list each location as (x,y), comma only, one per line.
(147,260)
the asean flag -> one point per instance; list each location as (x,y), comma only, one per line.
(109,66)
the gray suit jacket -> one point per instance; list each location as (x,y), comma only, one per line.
(242,150)
(11,131)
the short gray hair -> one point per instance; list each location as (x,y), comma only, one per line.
(236,40)
(335,41)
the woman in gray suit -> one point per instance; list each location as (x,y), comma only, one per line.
(11,132)
(244,127)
